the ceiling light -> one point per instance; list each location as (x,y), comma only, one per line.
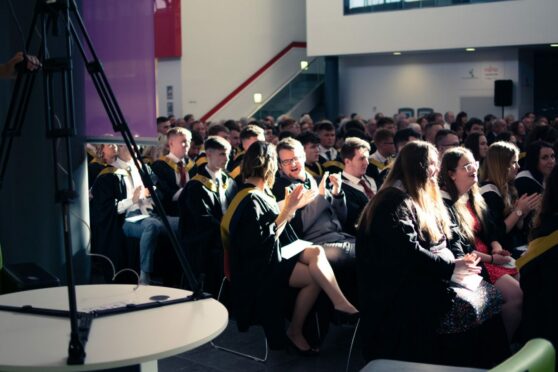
(396,53)
(554,45)
(257,98)
(470,49)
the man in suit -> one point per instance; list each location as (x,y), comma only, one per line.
(357,186)
(202,205)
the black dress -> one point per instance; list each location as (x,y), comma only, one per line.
(259,275)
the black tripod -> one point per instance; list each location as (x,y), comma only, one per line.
(60,18)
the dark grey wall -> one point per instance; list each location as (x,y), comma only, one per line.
(30,220)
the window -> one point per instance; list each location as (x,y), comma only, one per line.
(367,6)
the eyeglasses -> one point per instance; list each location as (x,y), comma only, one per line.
(471,167)
(286,162)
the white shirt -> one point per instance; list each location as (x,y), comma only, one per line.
(132,181)
(217,179)
(354,182)
(379,157)
(332,151)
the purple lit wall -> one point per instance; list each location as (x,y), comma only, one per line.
(122,35)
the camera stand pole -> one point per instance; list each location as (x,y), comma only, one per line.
(59,16)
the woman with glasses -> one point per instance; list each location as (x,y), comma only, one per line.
(468,210)
(255,232)
(507,210)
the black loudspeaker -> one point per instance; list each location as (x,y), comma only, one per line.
(503,92)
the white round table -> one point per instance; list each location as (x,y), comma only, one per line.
(36,342)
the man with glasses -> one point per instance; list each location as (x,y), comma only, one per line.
(321,218)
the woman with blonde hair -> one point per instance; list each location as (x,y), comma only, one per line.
(458,180)
(507,211)
(405,268)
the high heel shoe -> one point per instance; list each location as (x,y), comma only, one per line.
(305,353)
(342,317)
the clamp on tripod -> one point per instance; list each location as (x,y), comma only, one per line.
(60,18)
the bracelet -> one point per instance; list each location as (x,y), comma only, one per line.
(491,259)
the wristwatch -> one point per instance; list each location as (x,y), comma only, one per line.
(518,212)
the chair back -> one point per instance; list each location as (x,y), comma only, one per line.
(538,355)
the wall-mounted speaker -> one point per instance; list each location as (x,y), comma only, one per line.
(503,93)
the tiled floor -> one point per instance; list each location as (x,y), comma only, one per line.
(333,356)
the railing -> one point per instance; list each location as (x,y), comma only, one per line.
(251,79)
(294,89)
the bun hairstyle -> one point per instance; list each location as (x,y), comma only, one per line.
(260,160)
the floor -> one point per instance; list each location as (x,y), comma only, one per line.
(333,356)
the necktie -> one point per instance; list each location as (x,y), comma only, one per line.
(367,190)
(182,173)
(328,154)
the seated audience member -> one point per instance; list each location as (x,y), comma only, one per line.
(381,158)
(234,136)
(507,211)
(517,128)
(541,133)
(172,169)
(509,137)
(199,127)
(459,129)
(107,237)
(270,134)
(358,187)
(498,126)
(539,277)
(310,142)
(213,130)
(449,118)
(196,146)
(430,131)
(105,155)
(539,162)
(254,230)
(417,314)
(474,125)
(202,204)
(289,125)
(387,123)
(446,139)
(403,136)
(137,203)
(468,211)
(478,145)
(321,219)
(329,156)
(153,152)
(248,135)
(462,118)
(306,123)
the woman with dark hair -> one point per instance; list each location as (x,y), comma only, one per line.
(458,181)
(478,144)
(462,118)
(254,232)
(539,277)
(507,210)
(404,267)
(539,162)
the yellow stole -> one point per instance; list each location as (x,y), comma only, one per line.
(208,183)
(187,167)
(378,164)
(201,161)
(536,248)
(314,174)
(333,163)
(113,170)
(226,224)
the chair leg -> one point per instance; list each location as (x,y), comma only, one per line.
(351,347)
(236,352)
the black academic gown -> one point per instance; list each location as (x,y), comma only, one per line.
(331,166)
(259,275)
(356,201)
(234,167)
(107,237)
(539,282)
(199,225)
(403,286)
(167,185)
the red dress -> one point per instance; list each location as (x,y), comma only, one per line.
(495,272)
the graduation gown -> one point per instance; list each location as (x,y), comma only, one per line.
(356,201)
(200,225)
(539,282)
(165,170)
(258,274)
(403,285)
